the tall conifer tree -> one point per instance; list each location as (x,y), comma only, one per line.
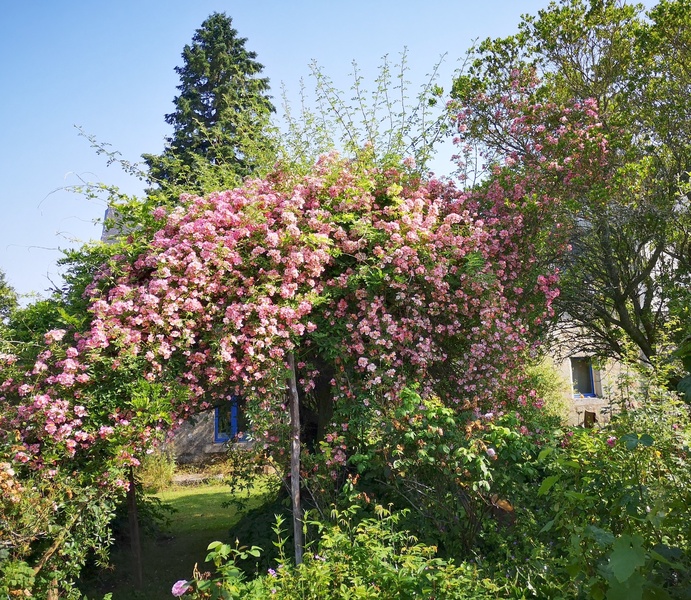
(8,297)
(220,114)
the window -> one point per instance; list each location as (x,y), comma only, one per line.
(582,377)
(229,420)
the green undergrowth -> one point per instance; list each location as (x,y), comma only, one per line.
(201,514)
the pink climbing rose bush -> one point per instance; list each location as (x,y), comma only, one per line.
(374,277)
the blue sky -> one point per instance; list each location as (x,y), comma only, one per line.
(108,67)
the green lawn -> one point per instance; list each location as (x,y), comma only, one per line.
(199,519)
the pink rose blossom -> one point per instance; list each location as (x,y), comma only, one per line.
(179,588)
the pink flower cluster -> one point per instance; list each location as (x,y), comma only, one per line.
(396,279)
(374,278)
(44,404)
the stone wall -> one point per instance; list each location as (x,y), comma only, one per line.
(194,441)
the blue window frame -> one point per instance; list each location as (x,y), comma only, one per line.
(582,377)
(228,420)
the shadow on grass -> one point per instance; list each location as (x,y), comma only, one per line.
(201,516)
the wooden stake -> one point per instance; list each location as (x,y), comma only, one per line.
(294,404)
(135,542)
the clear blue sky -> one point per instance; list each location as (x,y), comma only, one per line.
(108,67)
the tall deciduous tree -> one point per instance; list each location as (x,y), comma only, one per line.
(219,114)
(627,263)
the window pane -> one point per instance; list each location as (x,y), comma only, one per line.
(582,376)
(224,422)
(229,420)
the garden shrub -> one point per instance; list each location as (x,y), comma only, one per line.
(353,558)
(460,474)
(618,500)
(551,387)
(156,471)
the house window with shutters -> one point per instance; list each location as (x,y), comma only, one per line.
(229,420)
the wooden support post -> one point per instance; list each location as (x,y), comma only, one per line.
(294,404)
(135,541)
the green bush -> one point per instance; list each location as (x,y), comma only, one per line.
(459,474)
(618,503)
(156,471)
(368,559)
(551,387)
(16,577)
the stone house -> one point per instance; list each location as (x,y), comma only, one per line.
(209,432)
(589,387)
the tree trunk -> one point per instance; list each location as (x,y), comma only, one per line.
(294,404)
(135,542)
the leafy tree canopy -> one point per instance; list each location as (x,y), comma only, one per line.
(622,282)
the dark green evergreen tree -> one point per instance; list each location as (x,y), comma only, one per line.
(8,298)
(220,118)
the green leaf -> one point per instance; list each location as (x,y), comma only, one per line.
(655,592)
(646,440)
(667,555)
(684,386)
(631,589)
(684,352)
(547,484)
(577,496)
(630,440)
(475,262)
(601,536)
(544,453)
(627,555)
(658,557)
(597,592)
(547,526)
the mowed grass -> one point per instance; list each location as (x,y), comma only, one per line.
(199,519)
(199,508)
